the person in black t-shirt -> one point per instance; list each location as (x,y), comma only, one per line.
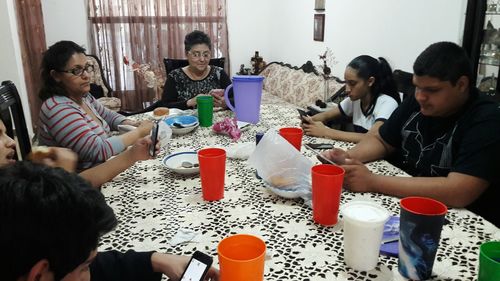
(446,136)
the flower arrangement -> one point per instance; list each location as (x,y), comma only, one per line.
(328,59)
(153,77)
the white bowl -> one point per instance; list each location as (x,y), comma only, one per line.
(182,131)
(174,162)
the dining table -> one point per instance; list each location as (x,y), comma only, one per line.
(153,203)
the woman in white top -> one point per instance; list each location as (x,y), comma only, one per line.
(373,96)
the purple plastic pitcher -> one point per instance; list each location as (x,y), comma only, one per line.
(247,93)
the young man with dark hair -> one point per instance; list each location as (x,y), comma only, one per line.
(51,223)
(445,136)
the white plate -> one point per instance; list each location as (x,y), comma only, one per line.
(174,161)
(171,112)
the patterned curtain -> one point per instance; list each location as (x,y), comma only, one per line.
(146,31)
(32,41)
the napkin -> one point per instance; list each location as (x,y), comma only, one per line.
(185,235)
(240,150)
(228,126)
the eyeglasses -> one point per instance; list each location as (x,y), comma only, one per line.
(78,71)
(198,55)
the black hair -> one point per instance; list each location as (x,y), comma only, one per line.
(445,61)
(368,66)
(196,37)
(48,213)
(55,58)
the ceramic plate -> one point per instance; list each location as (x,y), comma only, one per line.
(174,162)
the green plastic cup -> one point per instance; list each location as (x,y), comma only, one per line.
(205,110)
(489,261)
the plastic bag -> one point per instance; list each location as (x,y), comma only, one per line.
(240,150)
(164,135)
(286,171)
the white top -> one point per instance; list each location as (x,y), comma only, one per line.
(384,107)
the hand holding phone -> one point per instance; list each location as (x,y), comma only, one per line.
(197,267)
(303,114)
(154,139)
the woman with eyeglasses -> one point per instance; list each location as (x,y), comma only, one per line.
(184,84)
(71,117)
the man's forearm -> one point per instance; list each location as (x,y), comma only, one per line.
(456,190)
(370,148)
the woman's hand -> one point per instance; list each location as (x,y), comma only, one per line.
(131,122)
(145,127)
(173,266)
(218,95)
(140,149)
(313,128)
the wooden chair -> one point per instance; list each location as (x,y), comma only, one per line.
(12,115)
(99,86)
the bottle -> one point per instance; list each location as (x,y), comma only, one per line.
(258,137)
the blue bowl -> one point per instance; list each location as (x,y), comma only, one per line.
(184,120)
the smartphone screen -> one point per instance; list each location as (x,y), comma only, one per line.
(154,139)
(197,267)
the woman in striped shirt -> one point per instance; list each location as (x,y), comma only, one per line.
(70,117)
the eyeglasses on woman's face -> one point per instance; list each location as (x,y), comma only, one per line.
(78,71)
(198,54)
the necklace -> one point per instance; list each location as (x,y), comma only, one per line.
(196,76)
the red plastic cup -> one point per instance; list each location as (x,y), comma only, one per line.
(293,136)
(212,172)
(327,182)
(241,258)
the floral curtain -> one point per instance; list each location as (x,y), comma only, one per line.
(32,41)
(146,31)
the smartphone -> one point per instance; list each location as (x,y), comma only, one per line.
(320,145)
(197,267)
(154,139)
(302,114)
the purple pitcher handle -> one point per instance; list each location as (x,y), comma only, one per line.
(226,97)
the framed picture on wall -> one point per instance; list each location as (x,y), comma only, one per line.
(319,27)
(319,5)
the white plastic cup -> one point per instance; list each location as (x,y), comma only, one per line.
(363,229)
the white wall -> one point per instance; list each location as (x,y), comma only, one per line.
(12,65)
(66,20)
(395,29)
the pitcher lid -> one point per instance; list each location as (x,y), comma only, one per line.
(248,78)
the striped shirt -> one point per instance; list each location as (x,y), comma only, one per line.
(66,124)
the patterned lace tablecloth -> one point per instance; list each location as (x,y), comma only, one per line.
(152,204)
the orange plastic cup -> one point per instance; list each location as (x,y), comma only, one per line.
(293,135)
(326,188)
(212,172)
(241,258)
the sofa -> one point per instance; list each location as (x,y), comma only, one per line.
(300,86)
